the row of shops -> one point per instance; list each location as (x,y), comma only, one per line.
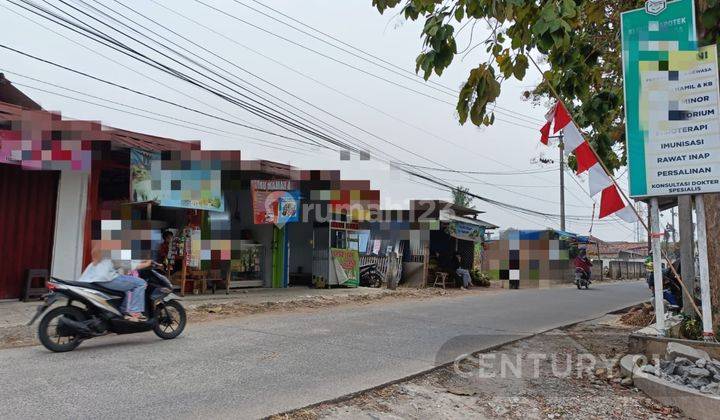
(214,219)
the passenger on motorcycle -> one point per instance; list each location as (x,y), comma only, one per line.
(583,263)
(113,274)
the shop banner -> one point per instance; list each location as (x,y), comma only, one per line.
(275,201)
(465,231)
(347,263)
(175,182)
(656,43)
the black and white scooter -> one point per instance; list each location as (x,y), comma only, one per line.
(91,310)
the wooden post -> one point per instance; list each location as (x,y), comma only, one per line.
(708,331)
(687,248)
(657,266)
(426,257)
(183,276)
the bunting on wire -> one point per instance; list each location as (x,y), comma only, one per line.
(600,182)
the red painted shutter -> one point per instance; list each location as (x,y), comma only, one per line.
(27,222)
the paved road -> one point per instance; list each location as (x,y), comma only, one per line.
(256,366)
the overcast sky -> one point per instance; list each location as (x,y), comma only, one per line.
(393,122)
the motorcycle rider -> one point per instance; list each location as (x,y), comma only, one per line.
(583,263)
(112,274)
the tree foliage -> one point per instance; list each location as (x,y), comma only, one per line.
(461,198)
(579,40)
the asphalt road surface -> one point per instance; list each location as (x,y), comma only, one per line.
(259,365)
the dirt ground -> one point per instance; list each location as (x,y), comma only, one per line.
(22,335)
(589,391)
(213,311)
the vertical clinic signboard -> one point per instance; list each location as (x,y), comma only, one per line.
(671,102)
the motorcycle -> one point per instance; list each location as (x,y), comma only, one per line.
(65,327)
(370,276)
(582,278)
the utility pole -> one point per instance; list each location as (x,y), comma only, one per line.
(561,146)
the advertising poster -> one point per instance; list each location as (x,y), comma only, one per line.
(174,182)
(348,261)
(275,201)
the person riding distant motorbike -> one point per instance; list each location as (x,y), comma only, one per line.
(113,274)
(583,263)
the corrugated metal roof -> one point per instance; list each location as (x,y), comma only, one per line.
(129,139)
(12,95)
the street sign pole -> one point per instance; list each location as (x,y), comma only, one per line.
(657,266)
(708,332)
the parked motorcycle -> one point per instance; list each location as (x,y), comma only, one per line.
(370,276)
(93,310)
(582,278)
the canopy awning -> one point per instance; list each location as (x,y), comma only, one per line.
(447,217)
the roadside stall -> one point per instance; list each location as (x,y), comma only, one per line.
(336,255)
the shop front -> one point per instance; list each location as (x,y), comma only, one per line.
(44,170)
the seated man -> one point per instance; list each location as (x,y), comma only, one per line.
(457,268)
(112,275)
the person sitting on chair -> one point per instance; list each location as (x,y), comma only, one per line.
(457,268)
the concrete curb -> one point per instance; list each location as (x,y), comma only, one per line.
(352,395)
(692,403)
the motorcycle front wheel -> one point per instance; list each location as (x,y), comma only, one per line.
(171,320)
(48,332)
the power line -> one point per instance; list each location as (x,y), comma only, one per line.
(342,62)
(402,72)
(321,83)
(266,112)
(192,126)
(137,92)
(495,173)
(142,74)
(409,151)
(494,202)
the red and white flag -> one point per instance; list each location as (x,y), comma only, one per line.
(611,201)
(572,138)
(598,179)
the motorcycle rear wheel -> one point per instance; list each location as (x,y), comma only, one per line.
(171,320)
(47,330)
(376,280)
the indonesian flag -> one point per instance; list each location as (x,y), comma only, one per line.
(561,118)
(627,214)
(598,179)
(611,202)
(585,157)
(572,138)
(545,133)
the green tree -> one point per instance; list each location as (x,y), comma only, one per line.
(461,198)
(578,40)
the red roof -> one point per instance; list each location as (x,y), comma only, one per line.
(130,139)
